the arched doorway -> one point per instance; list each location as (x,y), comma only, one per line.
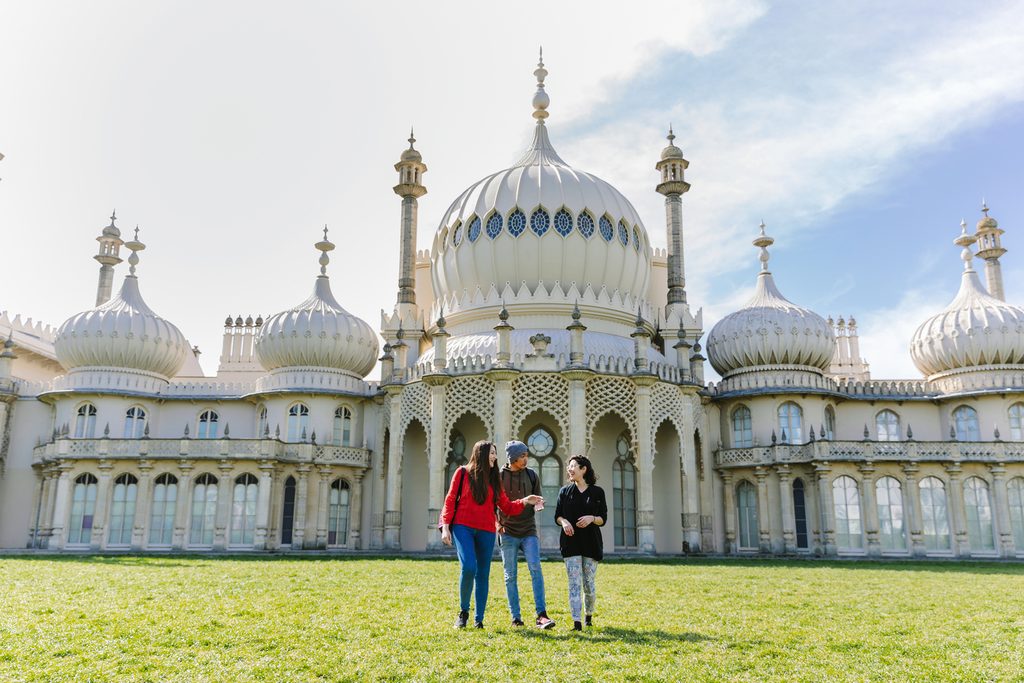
(604,451)
(547,457)
(668,490)
(415,488)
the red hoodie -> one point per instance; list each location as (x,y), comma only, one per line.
(472,514)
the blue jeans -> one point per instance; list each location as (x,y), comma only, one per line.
(510,546)
(475,548)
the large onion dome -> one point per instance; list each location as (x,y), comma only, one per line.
(770,332)
(539,221)
(976,331)
(318,334)
(122,334)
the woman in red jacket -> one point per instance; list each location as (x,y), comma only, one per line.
(468,517)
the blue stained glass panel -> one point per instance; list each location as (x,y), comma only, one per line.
(636,238)
(607,232)
(585,224)
(474,229)
(563,223)
(457,239)
(540,221)
(494,225)
(516,223)
(623,233)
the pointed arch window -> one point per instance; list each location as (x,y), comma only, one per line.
(887,426)
(298,422)
(474,229)
(636,238)
(494,225)
(83,508)
(456,456)
(889,500)
(742,428)
(624,476)
(623,233)
(1017,422)
(516,223)
(791,418)
(161,519)
(135,423)
(965,424)
(262,427)
(204,510)
(540,221)
(342,426)
(457,234)
(243,509)
(85,421)
(585,224)
(846,502)
(746,514)
(540,443)
(563,222)
(607,231)
(978,509)
(208,420)
(1015,501)
(830,423)
(122,510)
(338,515)
(934,514)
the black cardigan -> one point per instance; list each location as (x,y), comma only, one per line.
(572,504)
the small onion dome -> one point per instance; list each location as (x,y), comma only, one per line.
(122,333)
(975,329)
(318,333)
(671,152)
(411,154)
(770,330)
(112,230)
(987,222)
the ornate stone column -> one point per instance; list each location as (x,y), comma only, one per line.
(910,470)
(61,506)
(356,518)
(729,501)
(577,379)
(784,474)
(182,505)
(393,506)
(957,518)
(323,503)
(301,502)
(45,522)
(871,530)
(99,519)
(826,509)
(436,456)
(764,531)
(376,484)
(263,504)
(645,462)
(222,520)
(502,378)
(1000,500)
(142,512)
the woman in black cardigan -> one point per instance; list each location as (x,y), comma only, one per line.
(581,512)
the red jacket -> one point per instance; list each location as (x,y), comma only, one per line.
(473,514)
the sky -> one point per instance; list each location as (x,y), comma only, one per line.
(231,132)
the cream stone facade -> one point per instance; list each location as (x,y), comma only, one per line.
(541,312)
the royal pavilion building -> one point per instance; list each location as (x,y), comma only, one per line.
(541,312)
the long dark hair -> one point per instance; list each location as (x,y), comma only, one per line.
(583,461)
(481,474)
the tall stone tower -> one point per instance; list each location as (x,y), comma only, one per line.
(990,249)
(410,188)
(673,186)
(110,246)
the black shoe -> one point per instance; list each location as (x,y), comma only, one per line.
(577,626)
(544,622)
(588,618)
(517,622)
(479,624)
(462,620)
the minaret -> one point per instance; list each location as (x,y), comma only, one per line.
(990,249)
(410,188)
(110,245)
(672,185)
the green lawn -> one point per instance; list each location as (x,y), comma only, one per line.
(275,619)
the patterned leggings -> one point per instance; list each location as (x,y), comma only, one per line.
(581,571)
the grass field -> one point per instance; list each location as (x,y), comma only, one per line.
(288,619)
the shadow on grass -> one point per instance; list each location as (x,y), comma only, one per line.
(627,635)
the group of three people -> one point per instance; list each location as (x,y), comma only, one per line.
(484,503)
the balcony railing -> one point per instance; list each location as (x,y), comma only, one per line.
(856,451)
(177,449)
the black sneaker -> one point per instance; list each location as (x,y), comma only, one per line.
(543,621)
(517,622)
(479,624)
(577,626)
(462,620)
(588,618)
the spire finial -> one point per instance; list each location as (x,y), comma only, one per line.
(412,138)
(113,216)
(763,241)
(135,246)
(984,207)
(965,241)
(671,135)
(540,98)
(324,246)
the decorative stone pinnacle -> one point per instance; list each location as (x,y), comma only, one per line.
(540,98)
(324,246)
(576,311)
(503,313)
(965,241)
(440,319)
(763,241)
